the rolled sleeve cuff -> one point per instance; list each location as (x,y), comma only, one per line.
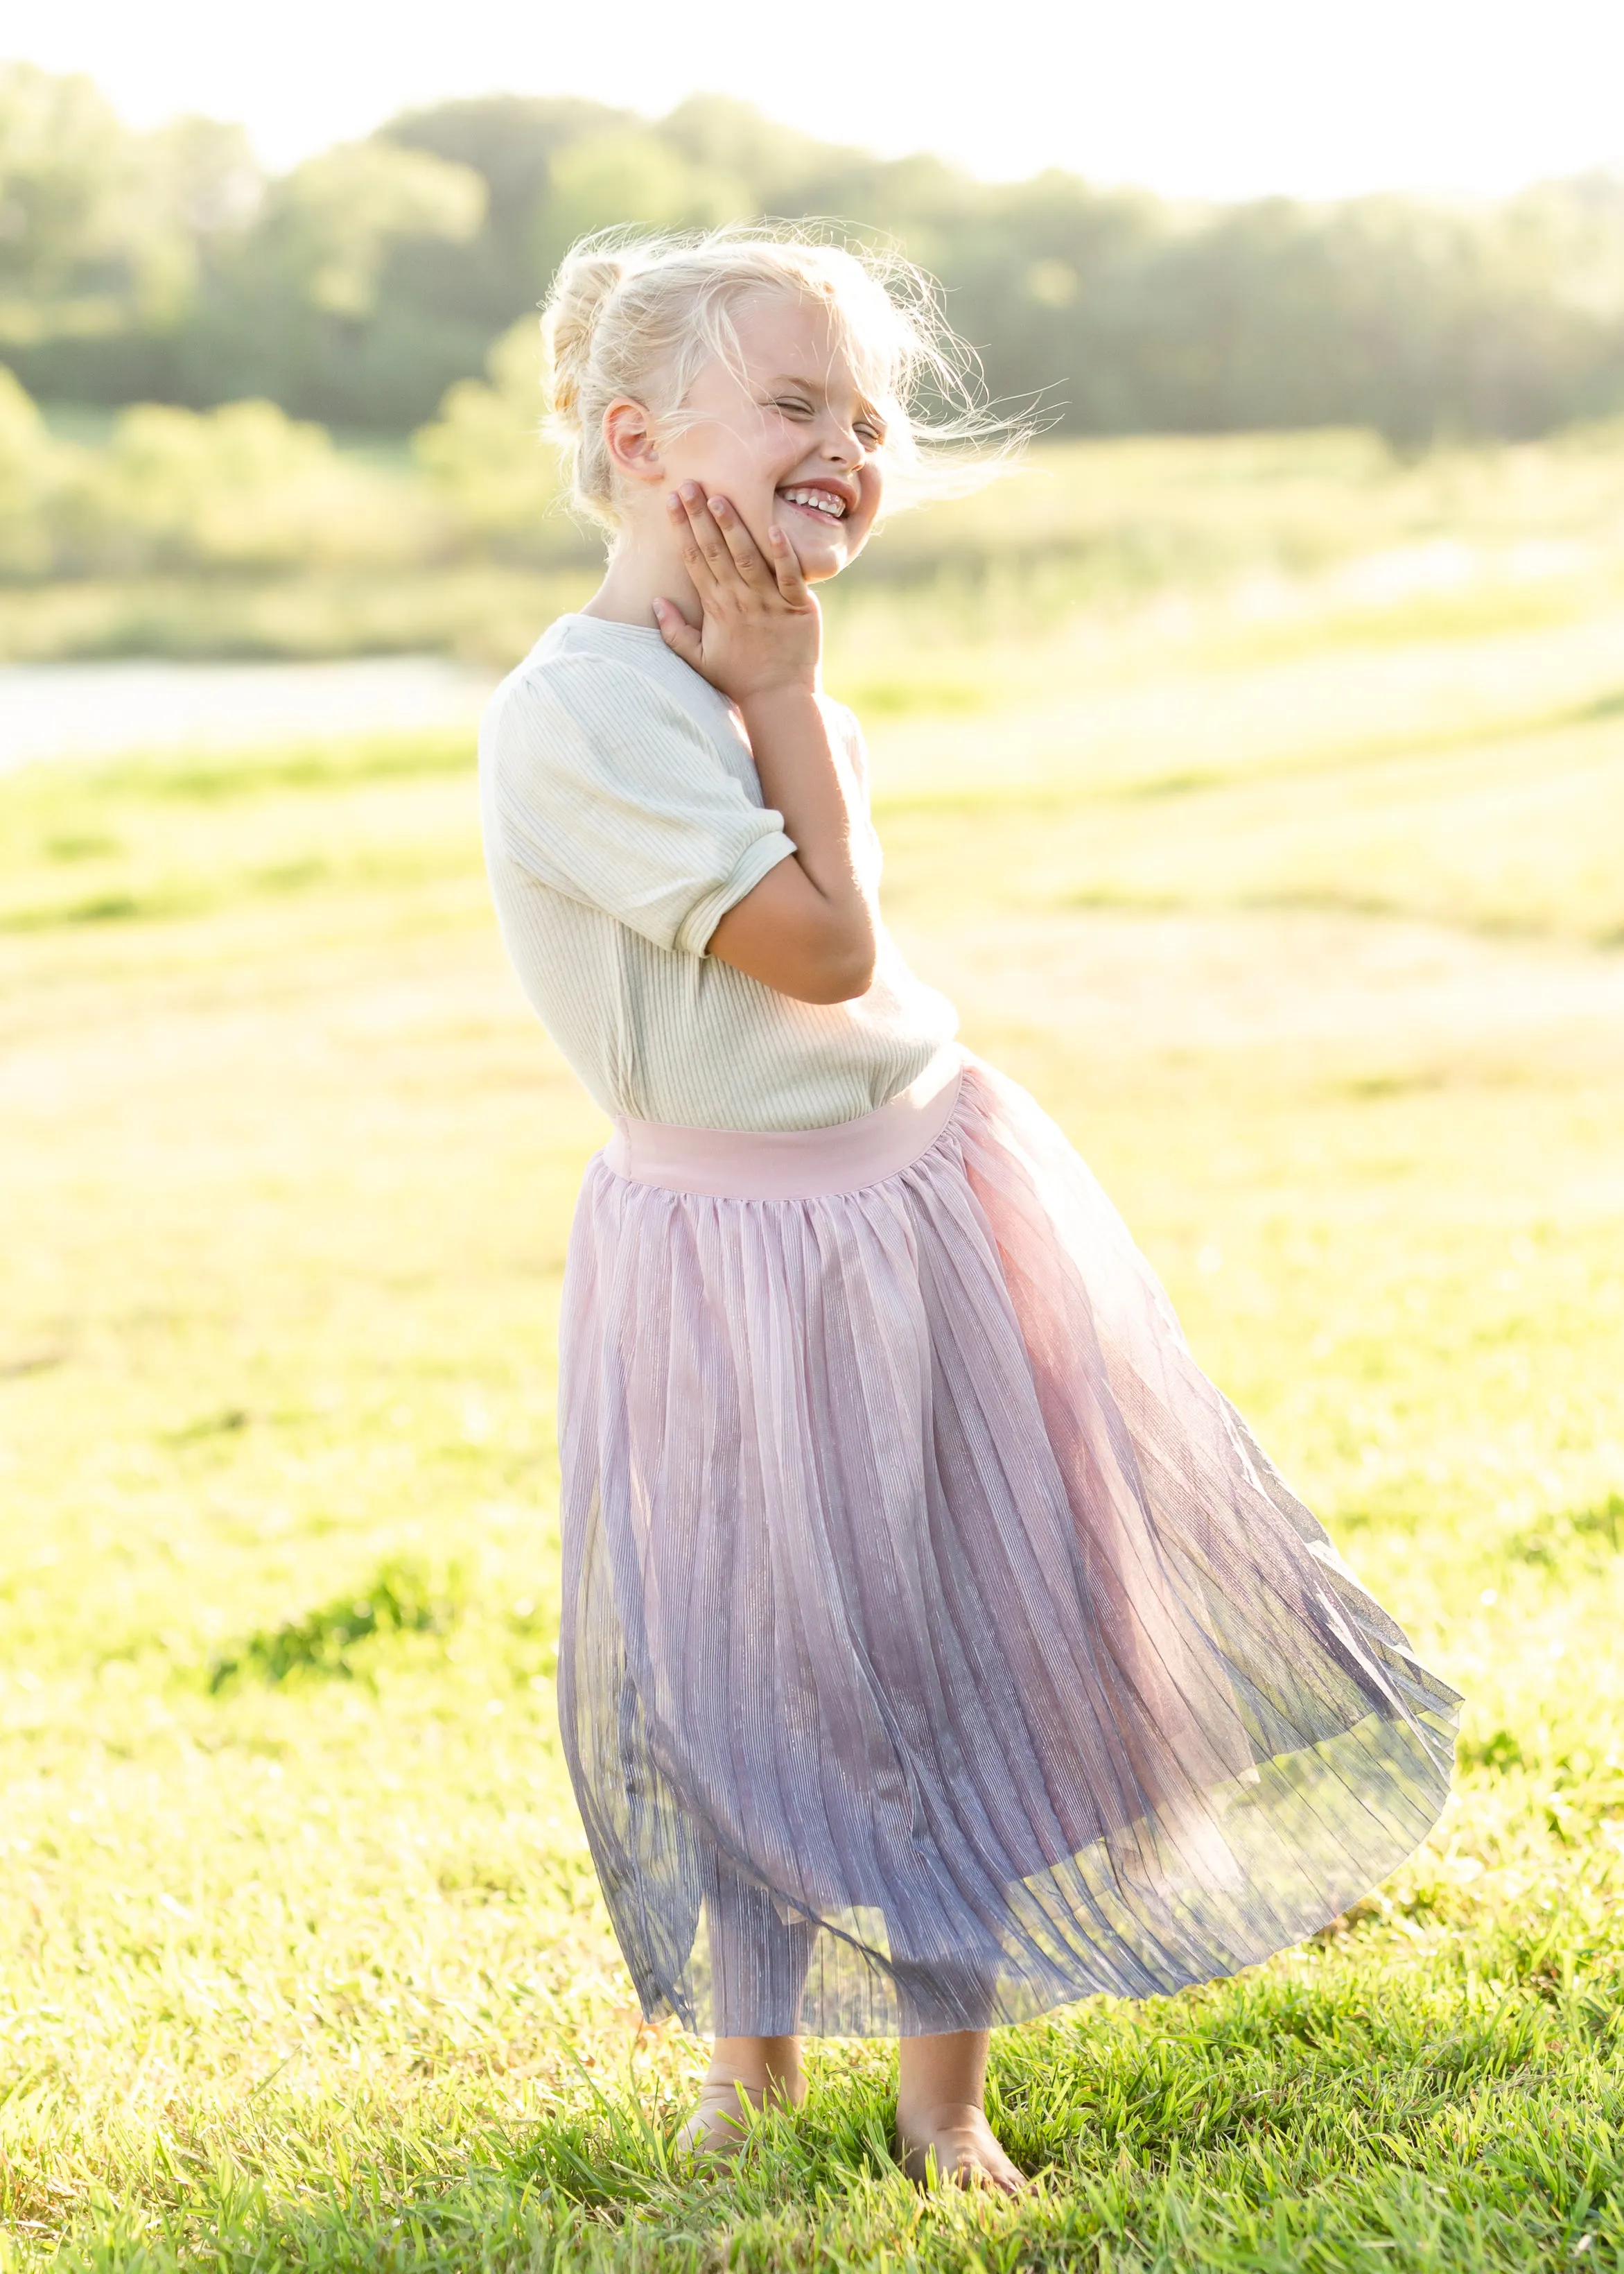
(761,855)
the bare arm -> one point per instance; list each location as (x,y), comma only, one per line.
(808,928)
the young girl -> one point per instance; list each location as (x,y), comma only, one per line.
(938,1646)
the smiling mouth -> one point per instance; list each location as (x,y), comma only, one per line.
(825,503)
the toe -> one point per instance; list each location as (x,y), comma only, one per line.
(969,2157)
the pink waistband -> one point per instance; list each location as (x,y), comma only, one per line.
(790,1165)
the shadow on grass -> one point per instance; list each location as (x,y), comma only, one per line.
(400,1597)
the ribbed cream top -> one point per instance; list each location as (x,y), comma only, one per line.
(622,819)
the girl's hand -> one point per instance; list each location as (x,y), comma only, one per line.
(760,631)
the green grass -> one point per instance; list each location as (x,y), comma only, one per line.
(1304,923)
(1118,540)
(481,612)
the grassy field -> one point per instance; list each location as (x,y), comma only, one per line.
(363,555)
(1305,914)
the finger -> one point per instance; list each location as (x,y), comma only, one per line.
(785,565)
(678,634)
(707,536)
(693,559)
(746,554)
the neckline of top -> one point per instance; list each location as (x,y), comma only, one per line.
(609,624)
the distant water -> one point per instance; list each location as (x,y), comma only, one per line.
(98,709)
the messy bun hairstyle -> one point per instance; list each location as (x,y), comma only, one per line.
(639,315)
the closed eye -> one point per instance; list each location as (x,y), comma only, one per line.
(794,406)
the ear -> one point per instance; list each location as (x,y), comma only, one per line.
(629,436)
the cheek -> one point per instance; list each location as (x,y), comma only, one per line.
(755,453)
(752,484)
(871,490)
(719,458)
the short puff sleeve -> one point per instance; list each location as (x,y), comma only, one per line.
(608,791)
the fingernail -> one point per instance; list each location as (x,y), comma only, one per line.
(719,505)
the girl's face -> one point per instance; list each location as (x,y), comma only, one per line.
(790,439)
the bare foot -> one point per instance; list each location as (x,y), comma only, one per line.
(719,2125)
(958,2138)
(745,2074)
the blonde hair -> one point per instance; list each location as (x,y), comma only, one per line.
(638,315)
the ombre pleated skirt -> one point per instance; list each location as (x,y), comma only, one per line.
(938,1646)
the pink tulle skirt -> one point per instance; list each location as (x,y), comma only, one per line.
(938,1646)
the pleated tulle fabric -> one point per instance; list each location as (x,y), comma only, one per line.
(938,1646)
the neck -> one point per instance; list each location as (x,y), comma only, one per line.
(645,566)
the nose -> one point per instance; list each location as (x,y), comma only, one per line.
(841,444)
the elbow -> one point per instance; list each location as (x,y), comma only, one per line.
(843,969)
(816,955)
(840,978)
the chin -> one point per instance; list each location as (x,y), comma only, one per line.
(821,562)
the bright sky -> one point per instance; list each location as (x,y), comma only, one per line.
(1223,98)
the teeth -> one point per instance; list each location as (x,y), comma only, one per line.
(820,501)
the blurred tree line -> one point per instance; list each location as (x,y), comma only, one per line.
(167,267)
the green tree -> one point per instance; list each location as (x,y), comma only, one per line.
(361,286)
(330,225)
(488,463)
(301,309)
(68,259)
(511,141)
(32,469)
(105,236)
